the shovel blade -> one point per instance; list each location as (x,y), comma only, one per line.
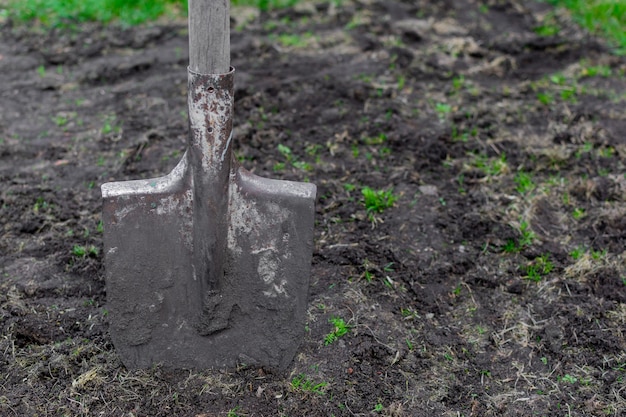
(160,313)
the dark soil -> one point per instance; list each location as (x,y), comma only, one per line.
(495,286)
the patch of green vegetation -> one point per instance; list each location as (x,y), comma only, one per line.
(302,383)
(54,13)
(546,98)
(64,13)
(458,82)
(40,204)
(549,26)
(341,328)
(578,213)
(378,200)
(490,166)
(527,237)
(376,140)
(109,125)
(577,253)
(538,268)
(567,378)
(585,148)
(354,22)
(368,274)
(401,82)
(588,70)
(294,40)
(459,135)
(606,152)
(82,251)
(290,158)
(605,17)
(233,412)
(524,181)
(597,255)
(442,110)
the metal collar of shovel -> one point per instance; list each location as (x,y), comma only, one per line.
(209,265)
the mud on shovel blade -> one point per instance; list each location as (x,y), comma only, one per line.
(209,265)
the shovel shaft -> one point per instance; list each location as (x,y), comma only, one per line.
(210,102)
(209,36)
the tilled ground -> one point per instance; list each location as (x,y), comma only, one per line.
(495,285)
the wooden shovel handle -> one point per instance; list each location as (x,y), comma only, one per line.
(209,36)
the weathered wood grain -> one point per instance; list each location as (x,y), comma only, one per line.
(209,36)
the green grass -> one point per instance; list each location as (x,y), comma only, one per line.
(82,251)
(68,12)
(340,329)
(604,17)
(540,267)
(524,181)
(378,200)
(302,383)
(62,13)
(265,4)
(527,237)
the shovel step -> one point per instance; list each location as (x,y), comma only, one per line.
(208,266)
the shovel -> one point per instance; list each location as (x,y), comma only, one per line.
(208,266)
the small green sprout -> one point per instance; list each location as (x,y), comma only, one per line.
(378,200)
(376,140)
(596,255)
(510,246)
(578,213)
(547,30)
(301,165)
(577,253)
(524,182)
(79,251)
(526,239)
(409,344)
(442,110)
(491,167)
(545,98)
(341,328)
(295,40)
(233,412)
(568,378)
(528,236)
(302,383)
(401,82)
(540,267)
(82,251)
(458,82)
(558,79)
(60,120)
(285,151)
(592,71)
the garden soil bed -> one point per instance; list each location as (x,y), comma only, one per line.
(495,285)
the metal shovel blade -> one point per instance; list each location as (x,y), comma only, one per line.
(208,266)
